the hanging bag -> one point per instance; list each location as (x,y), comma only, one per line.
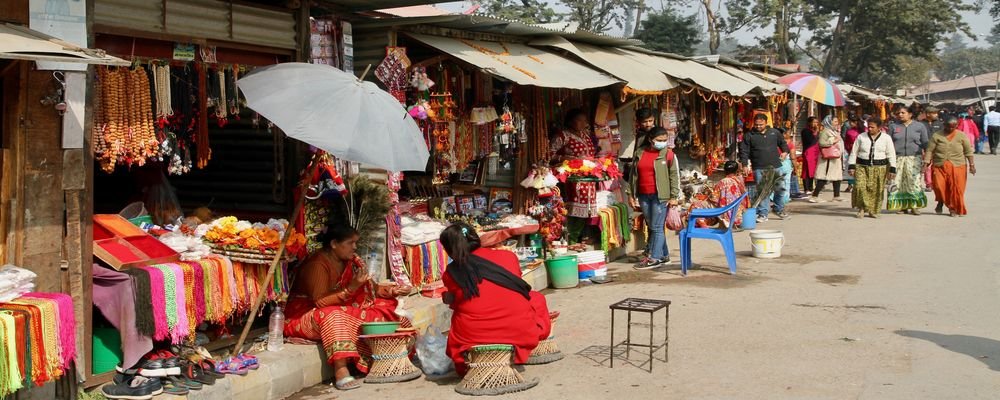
(674,222)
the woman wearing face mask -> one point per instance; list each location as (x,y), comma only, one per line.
(655,186)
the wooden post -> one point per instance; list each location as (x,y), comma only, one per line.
(279,255)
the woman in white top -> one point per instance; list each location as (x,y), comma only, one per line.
(831,164)
(872,163)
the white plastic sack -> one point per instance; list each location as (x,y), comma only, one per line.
(431,349)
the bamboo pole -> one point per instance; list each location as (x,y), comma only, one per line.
(278,255)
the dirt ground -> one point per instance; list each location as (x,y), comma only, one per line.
(903,307)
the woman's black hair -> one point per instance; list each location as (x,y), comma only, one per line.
(571,115)
(731,167)
(643,114)
(657,131)
(810,120)
(460,240)
(336,232)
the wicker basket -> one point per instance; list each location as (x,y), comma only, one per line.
(390,358)
(547,351)
(491,372)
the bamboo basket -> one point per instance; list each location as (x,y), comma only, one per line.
(390,358)
(491,372)
(547,351)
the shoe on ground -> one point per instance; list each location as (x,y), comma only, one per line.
(861,214)
(132,387)
(915,211)
(939,209)
(784,216)
(761,220)
(838,199)
(816,200)
(649,264)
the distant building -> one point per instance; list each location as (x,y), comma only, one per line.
(957,90)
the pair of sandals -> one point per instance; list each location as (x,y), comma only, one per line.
(347,383)
(241,364)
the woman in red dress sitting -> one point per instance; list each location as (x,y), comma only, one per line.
(491,303)
(332,297)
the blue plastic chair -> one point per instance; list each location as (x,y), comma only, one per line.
(724,236)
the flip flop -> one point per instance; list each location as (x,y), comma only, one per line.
(170,388)
(196,373)
(347,383)
(232,367)
(210,369)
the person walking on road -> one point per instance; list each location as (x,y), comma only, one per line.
(655,187)
(810,153)
(831,165)
(906,193)
(991,125)
(949,156)
(871,163)
(759,152)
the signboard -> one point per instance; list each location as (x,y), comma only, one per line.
(347,43)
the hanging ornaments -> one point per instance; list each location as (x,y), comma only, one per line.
(124,126)
(392,72)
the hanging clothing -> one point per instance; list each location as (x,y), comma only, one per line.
(497,316)
(309,315)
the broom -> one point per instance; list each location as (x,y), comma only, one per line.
(765,186)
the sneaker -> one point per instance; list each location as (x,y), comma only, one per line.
(132,387)
(761,220)
(783,215)
(816,200)
(649,264)
(838,199)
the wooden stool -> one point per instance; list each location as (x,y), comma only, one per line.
(390,358)
(547,351)
(491,372)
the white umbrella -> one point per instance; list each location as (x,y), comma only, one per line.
(338,113)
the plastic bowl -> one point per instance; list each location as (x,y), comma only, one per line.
(379,328)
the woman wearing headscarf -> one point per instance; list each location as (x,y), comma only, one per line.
(949,156)
(872,162)
(491,303)
(831,165)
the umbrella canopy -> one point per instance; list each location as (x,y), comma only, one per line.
(338,113)
(813,87)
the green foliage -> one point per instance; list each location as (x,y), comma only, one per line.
(667,31)
(599,15)
(968,61)
(527,11)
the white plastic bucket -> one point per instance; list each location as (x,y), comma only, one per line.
(767,243)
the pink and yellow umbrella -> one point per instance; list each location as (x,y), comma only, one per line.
(813,87)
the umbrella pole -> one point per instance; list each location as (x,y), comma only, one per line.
(262,290)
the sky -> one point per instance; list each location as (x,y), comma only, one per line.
(980,23)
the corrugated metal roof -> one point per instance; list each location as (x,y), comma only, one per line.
(20,43)
(519,63)
(369,5)
(702,75)
(638,76)
(765,85)
(495,25)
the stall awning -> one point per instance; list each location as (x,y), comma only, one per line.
(522,64)
(639,77)
(702,75)
(20,43)
(851,89)
(755,80)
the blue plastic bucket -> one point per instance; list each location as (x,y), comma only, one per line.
(749,219)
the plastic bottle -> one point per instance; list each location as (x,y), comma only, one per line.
(276,329)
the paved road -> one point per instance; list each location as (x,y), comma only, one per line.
(904,307)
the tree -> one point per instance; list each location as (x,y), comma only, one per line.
(527,11)
(964,62)
(787,18)
(599,15)
(667,31)
(868,36)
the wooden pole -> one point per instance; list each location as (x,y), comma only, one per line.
(278,256)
